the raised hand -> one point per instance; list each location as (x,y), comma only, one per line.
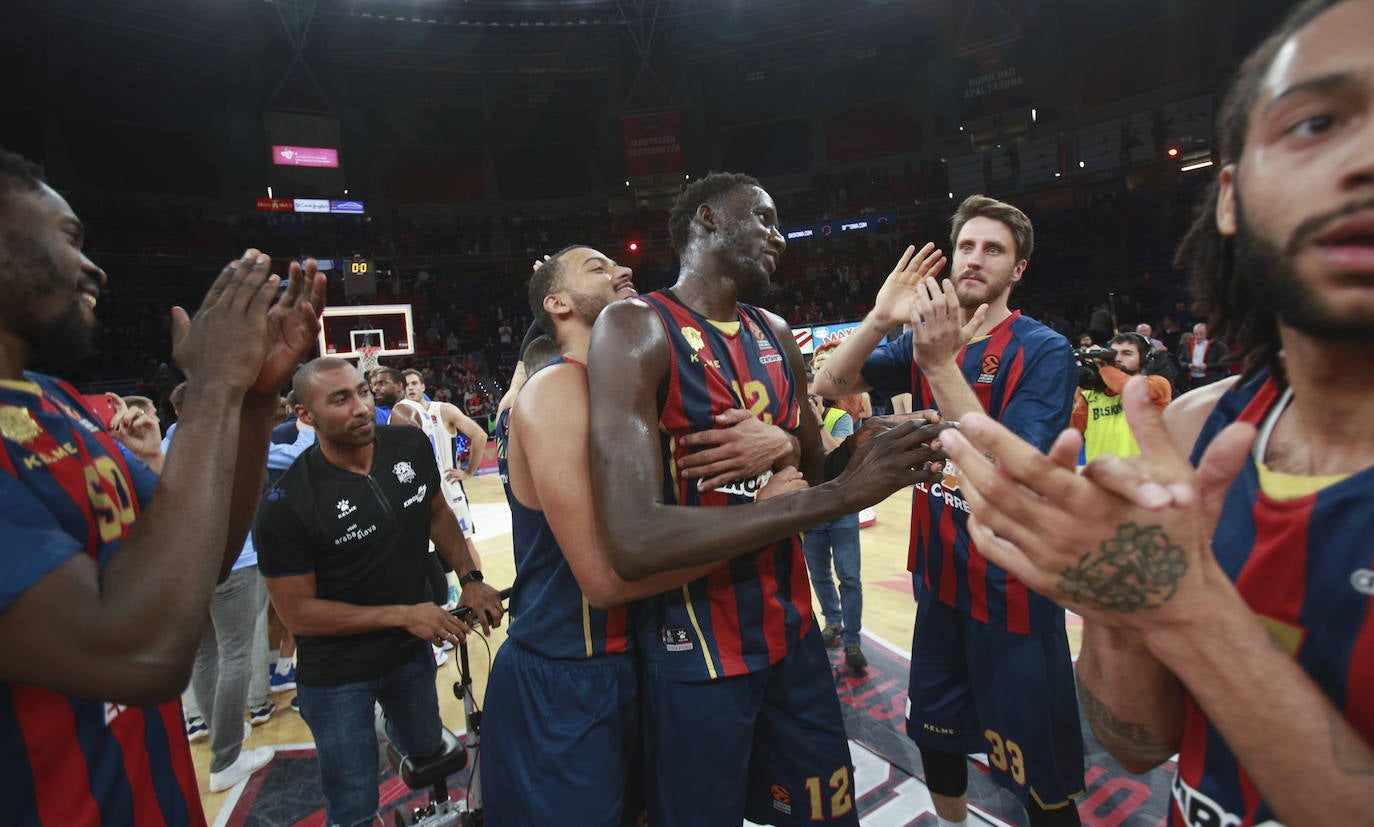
(937,327)
(892,304)
(136,431)
(227,340)
(742,448)
(293,324)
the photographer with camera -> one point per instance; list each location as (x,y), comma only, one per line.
(1102,373)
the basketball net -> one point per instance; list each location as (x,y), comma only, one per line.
(367,358)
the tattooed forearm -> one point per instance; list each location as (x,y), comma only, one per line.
(1352,755)
(837,381)
(1137,569)
(1119,736)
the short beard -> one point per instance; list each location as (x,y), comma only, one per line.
(586,307)
(753,287)
(60,344)
(1281,289)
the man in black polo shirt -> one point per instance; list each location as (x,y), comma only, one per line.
(343,539)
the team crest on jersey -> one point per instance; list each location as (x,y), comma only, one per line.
(678,640)
(693,337)
(18,425)
(988,370)
(404,472)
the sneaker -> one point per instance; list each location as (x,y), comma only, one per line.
(854,657)
(196,728)
(830,637)
(248,762)
(282,681)
(262,712)
(440,656)
(296,703)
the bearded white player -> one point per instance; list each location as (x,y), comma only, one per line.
(442,423)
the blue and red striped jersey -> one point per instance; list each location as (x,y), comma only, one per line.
(747,613)
(67,489)
(549,613)
(1024,375)
(1306,567)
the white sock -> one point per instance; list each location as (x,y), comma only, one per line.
(944,822)
(283,665)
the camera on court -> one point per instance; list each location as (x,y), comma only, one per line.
(1089,359)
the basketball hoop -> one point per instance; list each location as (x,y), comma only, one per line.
(367,358)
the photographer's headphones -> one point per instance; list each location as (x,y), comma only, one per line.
(1147,350)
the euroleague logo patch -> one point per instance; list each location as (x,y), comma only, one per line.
(988,370)
(782,799)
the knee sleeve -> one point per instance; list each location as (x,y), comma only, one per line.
(946,772)
(1065,816)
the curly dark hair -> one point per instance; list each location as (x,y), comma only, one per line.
(17,173)
(1227,298)
(701,191)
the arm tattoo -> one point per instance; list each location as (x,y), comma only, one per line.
(1346,747)
(835,380)
(1137,569)
(1136,739)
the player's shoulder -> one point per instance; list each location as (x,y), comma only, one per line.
(1035,332)
(1186,415)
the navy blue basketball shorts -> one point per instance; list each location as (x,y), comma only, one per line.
(975,688)
(769,746)
(561,741)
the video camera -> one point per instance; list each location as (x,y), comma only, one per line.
(1089,359)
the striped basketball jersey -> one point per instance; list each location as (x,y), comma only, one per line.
(66,489)
(1305,566)
(747,613)
(549,613)
(1023,374)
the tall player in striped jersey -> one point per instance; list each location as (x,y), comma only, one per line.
(741,715)
(1252,655)
(571,649)
(990,667)
(442,422)
(104,595)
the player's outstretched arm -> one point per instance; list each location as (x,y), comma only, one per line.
(1150,570)
(627,360)
(127,632)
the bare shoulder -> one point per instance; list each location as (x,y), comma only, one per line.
(553,394)
(1185,416)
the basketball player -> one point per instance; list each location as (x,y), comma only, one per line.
(573,648)
(741,714)
(388,387)
(990,665)
(442,422)
(1250,655)
(106,583)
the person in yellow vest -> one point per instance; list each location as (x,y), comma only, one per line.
(837,541)
(1098,413)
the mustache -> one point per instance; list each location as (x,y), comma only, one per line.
(1315,226)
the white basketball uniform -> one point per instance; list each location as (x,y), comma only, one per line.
(442,442)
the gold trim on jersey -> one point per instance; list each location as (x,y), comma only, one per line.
(701,639)
(22,385)
(1282,486)
(587,625)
